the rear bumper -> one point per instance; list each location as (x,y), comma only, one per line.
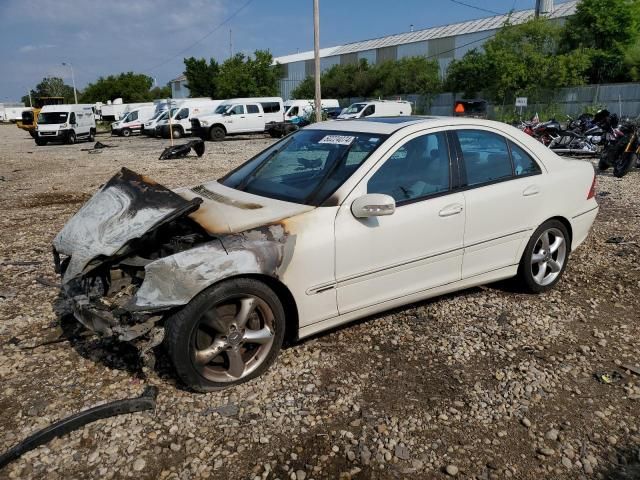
(581,225)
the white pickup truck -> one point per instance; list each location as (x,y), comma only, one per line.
(238,116)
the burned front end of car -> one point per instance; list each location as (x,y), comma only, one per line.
(102,252)
(137,251)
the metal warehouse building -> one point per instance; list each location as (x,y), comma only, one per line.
(442,43)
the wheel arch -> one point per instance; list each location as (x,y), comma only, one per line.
(292,317)
(567,225)
(218,125)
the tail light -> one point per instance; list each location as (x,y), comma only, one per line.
(592,190)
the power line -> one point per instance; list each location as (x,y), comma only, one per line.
(476,7)
(211,32)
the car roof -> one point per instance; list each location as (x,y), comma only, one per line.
(389,125)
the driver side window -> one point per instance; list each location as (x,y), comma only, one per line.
(417,169)
(72,118)
(237,110)
(370,110)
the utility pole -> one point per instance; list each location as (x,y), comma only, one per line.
(30,102)
(230,44)
(73,80)
(316,52)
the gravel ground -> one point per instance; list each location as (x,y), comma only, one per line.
(485,383)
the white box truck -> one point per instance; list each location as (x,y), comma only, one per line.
(180,119)
(238,116)
(65,123)
(133,121)
(377,108)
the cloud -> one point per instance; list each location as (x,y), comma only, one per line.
(31,48)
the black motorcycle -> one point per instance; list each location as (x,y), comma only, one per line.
(624,153)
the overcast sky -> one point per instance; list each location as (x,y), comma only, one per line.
(147,36)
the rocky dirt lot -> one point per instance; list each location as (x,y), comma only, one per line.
(486,383)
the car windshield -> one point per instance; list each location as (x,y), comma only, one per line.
(52,118)
(305,167)
(356,108)
(222,108)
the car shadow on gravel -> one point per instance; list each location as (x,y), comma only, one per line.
(624,464)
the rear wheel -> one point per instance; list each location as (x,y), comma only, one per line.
(216,133)
(71,137)
(624,164)
(228,334)
(545,257)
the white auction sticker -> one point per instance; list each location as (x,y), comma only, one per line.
(338,139)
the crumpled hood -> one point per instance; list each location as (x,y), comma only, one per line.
(227,210)
(125,208)
(131,205)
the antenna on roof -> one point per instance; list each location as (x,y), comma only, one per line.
(411,27)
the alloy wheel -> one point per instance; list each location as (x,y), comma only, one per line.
(548,256)
(233,338)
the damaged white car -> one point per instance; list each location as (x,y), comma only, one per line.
(335,222)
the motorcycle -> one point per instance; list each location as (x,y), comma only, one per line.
(624,153)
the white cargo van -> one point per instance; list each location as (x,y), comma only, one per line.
(239,116)
(180,123)
(65,123)
(149,127)
(377,108)
(133,121)
(303,108)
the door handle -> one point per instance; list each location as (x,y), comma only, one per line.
(451,210)
(242,116)
(530,191)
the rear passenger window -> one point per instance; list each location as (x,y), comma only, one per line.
(523,164)
(253,109)
(485,155)
(270,107)
(417,169)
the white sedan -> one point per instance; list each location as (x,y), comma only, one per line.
(335,222)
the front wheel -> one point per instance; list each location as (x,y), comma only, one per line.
(177,133)
(40,142)
(216,133)
(92,135)
(126,132)
(228,334)
(71,137)
(545,257)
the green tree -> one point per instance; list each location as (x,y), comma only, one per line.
(521,60)
(202,77)
(157,93)
(469,75)
(264,73)
(608,28)
(632,61)
(131,87)
(51,87)
(414,75)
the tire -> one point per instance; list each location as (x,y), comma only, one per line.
(177,133)
(624,164)
(40,142)
(275,134)
(125,132)
(535,256)
(71,137)
(92,135)
(603,164)
(192,333)
(217,133)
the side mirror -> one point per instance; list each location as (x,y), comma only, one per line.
(373,205)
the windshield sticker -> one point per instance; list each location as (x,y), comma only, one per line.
(338,139)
